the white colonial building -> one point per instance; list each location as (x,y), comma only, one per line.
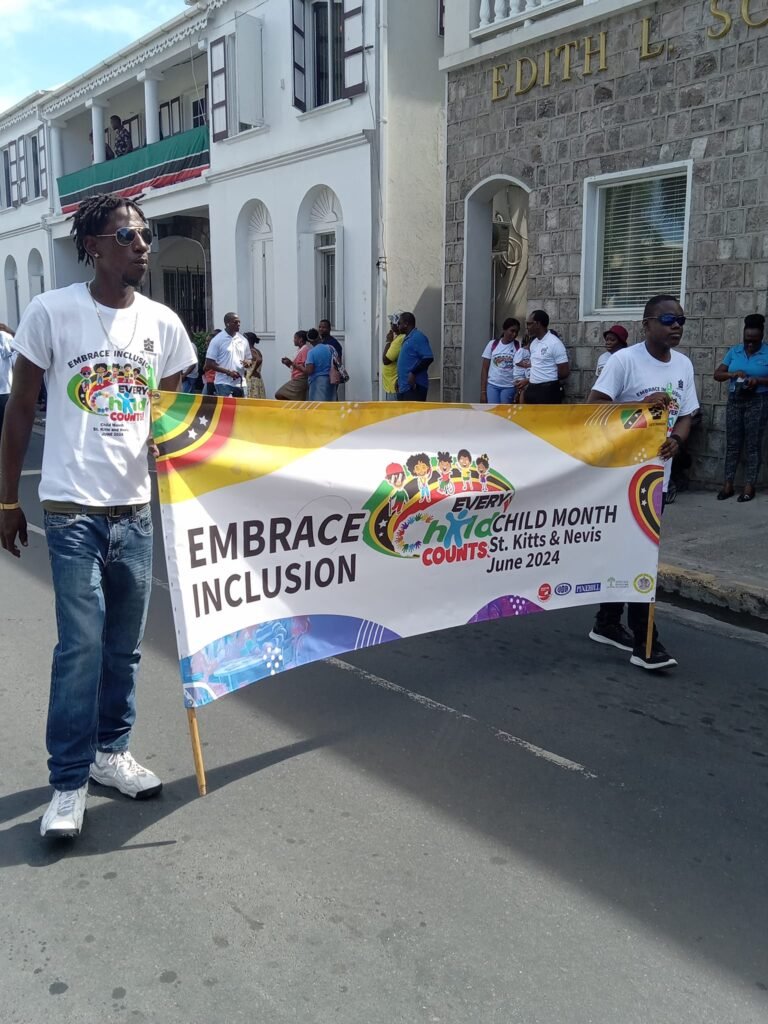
(291,158)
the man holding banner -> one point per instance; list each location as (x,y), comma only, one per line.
(653,373)
(95,491)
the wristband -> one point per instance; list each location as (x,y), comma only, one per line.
(676,437)
(9,506)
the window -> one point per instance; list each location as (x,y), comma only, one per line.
(325,246)
(170,118)
(441,17)
(38,170)
(635,239)
(133,124)
(237,89)
(328,51)
(11,174)
(184,292)
(200,111)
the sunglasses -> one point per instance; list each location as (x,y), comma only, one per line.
(668,319)
(127,236)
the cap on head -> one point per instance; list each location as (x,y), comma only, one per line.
(619,332)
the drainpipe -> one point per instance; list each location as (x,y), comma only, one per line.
(382,136)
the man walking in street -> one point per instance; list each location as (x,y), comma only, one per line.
(229,354)
(653,373)
(413,362)
(95,493)
(549,363)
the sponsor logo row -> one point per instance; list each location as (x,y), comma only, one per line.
(643,584)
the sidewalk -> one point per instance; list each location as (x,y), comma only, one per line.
(711,552)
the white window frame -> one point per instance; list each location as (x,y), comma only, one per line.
(351,56)
(322,251)
(592,233)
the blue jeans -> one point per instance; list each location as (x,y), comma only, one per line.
(229,391)
(500,396)
(102,578)
(390,396)
(321,389)
(415,394)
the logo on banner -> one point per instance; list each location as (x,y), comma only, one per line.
(644,583)
(613,584)
(545,592)
(645,494)
(440,508)
(563,589)
(588,588)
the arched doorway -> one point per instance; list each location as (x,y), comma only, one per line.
(36,274)
(12,293)
(256,268)
(321,259)
(495,268)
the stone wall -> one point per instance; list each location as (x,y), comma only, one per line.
(703,99)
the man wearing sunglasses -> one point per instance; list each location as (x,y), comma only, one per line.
(653,373)
(103,347)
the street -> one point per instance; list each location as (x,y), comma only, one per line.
(503,824)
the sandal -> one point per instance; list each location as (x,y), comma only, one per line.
(723,495)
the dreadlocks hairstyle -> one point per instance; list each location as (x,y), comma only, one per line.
(91,219)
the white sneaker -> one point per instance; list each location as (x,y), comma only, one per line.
(122,772)
(64,817)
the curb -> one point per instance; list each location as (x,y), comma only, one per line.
(706,588)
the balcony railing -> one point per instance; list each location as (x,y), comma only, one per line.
(178,158)
(500,15)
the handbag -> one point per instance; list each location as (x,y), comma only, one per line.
(338,374)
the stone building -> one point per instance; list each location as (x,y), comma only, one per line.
(599,151)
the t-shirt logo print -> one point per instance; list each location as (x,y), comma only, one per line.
(149,345)
(115,390)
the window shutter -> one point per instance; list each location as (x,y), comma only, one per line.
(42,157)
(22,158)
(219,126)
(13,199)
(176,125)
(441,17)
(248,67)
(641,251)
(354,51)
(299,55)
(339,317)
(164,115)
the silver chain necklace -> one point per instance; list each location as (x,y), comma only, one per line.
(103,325)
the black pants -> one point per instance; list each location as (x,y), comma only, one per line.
(609,614)
(3,403)
(416,394)
(637,620)
(550,393)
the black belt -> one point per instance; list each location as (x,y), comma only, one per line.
(68,508)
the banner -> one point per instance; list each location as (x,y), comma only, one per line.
(295,532)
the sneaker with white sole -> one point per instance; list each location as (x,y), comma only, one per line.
(64,817)
(613,634)
(123,773)
(659,658)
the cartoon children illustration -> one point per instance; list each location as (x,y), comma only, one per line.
(483,465)
(420,466)
(101,370)
(444,468)
(465,466)
(116,373)
(395,477)
(128,373)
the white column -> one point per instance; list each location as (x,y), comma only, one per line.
(500,10)
(151,105)
(56,158)
(97,127)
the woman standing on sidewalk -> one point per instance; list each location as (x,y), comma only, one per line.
(745,367)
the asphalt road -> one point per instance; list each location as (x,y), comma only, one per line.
(502,824)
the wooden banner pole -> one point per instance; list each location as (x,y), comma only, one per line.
(197,751)
(649,634)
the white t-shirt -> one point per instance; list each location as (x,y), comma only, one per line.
(98,416)
(632,374)
(501,372)
(547,354)
(601,363)
(6,363)
(229,351)
(523,355)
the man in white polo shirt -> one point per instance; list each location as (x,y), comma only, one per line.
(229,354)
(549,363)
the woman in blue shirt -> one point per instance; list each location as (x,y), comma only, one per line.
(745,367)
(318,369)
